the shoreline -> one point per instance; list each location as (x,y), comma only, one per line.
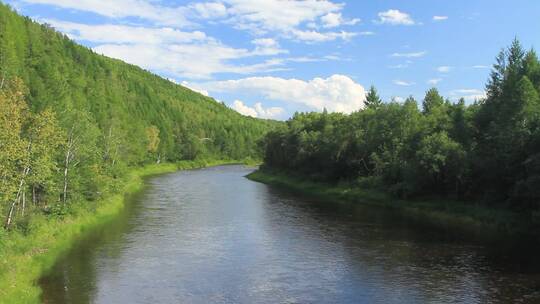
(26,256)
(476,220)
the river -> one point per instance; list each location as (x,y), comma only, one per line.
(213,236)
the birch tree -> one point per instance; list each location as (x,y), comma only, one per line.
(80,149)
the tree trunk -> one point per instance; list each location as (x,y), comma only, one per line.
(9,218)
(3,80)
(66,164)
(64,194)
(23,202)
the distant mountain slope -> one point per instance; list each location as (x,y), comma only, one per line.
(123,101)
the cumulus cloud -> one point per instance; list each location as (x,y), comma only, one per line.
(337,93)
(194,88)
(336,19)
(274,15)
(241,108)
(257,110)
(395,17)
(267,46)
(440,18)
(288,19)
(210,10)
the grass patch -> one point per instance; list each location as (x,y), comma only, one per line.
(475,219)
(26,255)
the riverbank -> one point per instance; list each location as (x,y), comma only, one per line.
(26,255)
(473,219)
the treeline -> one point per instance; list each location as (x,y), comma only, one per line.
(488,151)
(72,121)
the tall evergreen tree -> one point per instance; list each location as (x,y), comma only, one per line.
(372,98)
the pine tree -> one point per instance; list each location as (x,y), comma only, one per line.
(373,100)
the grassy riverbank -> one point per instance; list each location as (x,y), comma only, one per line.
(26,255)
(468,217)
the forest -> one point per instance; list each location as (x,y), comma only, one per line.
(487,152)
(73,122)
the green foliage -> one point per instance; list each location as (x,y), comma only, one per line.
(25,254)
(72,122)
(488,151)
(372,98)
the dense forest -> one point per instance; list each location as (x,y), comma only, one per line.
(487,152)
(72,121)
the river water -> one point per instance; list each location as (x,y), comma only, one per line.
(213,236)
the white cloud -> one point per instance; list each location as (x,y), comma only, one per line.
(267,46)
(410,55)
(119,34)
(194,88)
(337,93)
(434,81)
(444,69)
(366,33)
(126,8)
(195,61)
(440,18)
(241,108)
(403,83)
(315,36)
(288,19)
(257,110)
(480,66)
(331,20)
(174,52)
(282,18)
(271,112)
(210,10)
(469,95)
(395,17)
(305,59)
(275,15)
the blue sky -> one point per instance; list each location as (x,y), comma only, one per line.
(270,58)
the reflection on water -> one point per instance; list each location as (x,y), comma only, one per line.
(212,236)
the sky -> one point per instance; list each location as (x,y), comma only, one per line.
(271,58)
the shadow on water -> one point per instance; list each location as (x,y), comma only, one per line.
(73,278)
(210,235)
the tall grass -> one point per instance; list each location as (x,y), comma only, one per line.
(26,255)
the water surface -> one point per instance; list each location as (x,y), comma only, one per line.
(212,236)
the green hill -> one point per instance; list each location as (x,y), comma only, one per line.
(71,118)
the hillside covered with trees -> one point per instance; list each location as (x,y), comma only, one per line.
(73,121)
(487,152)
